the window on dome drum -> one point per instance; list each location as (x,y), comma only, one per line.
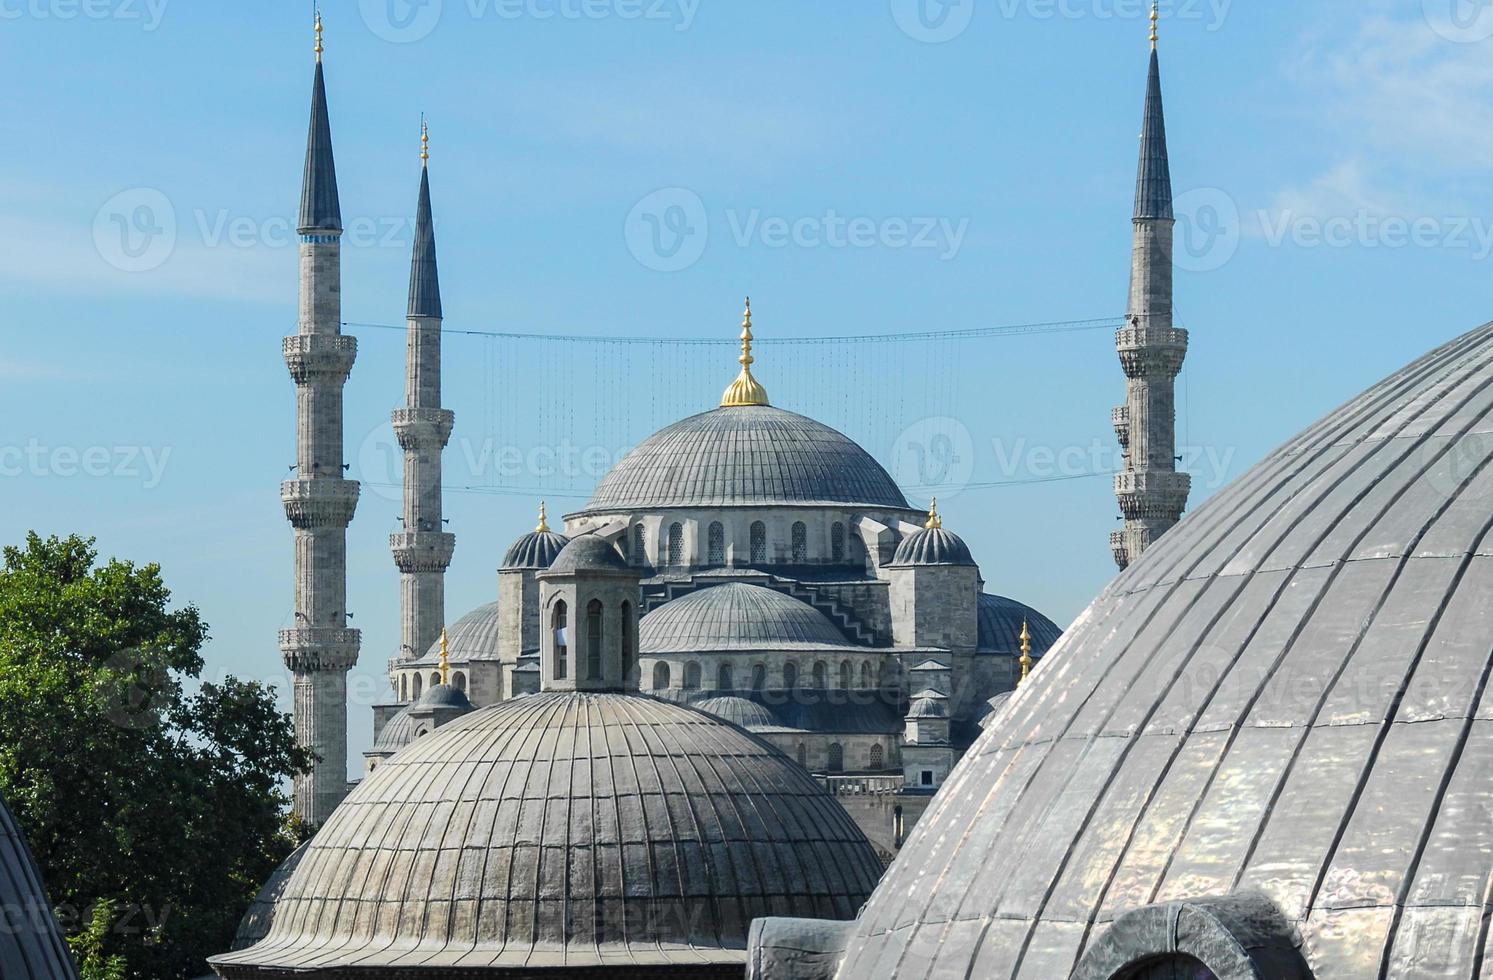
(692,676)
(716,554)
(415,689)
(559,624)
(759,677)
(821,675)
(803,755)
(836,757)
(1176,967)
(459,680)
(639,548)
(660,676)
(759,543)
(435,678)
(837,542)
(790,675)
(800,542)
(627,665)
(847,675)
(593,640)
(878,758)
(724,680)
(676,545)
(404,687)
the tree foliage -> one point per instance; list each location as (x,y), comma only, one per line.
(151,797)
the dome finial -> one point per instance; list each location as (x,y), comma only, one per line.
(424,141)
(1155,16)
(1026,652)
(445,659)
(544,524)
(745,390)
(934,521)
(318,34)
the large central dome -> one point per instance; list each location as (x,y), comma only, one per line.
(750,455)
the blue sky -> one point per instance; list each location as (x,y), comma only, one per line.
(1333,161)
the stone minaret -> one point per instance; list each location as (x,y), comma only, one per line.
(422,551)
(1152,493)
(319,649)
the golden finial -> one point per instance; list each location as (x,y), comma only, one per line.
(445,659)
(1155,16)
(318,34)
(424,141)
(1026,652)
(544,524)
(745,390)
(934,521)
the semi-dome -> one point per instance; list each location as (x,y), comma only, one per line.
(560,833)
(746,455)
(472,637)
(739,711)
(589,553)
(400,730)
(536,550)
(1000,621)
(1269,736)
(737,617)
(31,944)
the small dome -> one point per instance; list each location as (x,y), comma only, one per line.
(589,553)
(472,637)
(749,455)
(739,711)
(397,732)
(444,696)
(736,617)
(1000,627)
(933,546)
(31,945)
(566,831)
(929,704)
(537,549)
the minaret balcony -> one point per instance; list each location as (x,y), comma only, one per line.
(320,356)
(1147,352)
(319,503)
(320,648)
(1121,419)
(1121,550)
(1153,494)
(422,428)
(422,551)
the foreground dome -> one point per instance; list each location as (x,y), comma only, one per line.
(558,833)
(737,617)
(31,944)
(747,455)
(1266,751)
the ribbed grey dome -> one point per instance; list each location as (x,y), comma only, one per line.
(590,553)
(472,637)
(31,945)
(933,546)
(925,706)
(397,732)
(746,456)
(739,711)
(1000,626)
(537,549)
(255,924)
(566,830)
(1288,694)
(444,696)
(736,617)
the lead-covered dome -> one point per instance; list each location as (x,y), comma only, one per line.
(747,455)
(472,637)
(1000,622)
(565,831)
(31,945)
(933,546)
(1287,696)
(737,617)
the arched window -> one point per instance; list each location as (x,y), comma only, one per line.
(415,690)
(627,665)
(821,675)
(803,755)
(847,675)
(404,687)
(837,541)
(878,758)
(676,544)
(639,546)
(868,679)
(759,677)
(660,676)
(593,640)
(435,678)
(724,680)
(836,757)
(800,542)
(759,542)
(790,675)
(459,679)
(559,622)
(1177,967)
(717,545)
(692,676)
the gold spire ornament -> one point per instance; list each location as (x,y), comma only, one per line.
(1026,652)
(445,659)
(934,522)
(424,141)
(1155,16)
(544,524)
(745,390)
(318,34)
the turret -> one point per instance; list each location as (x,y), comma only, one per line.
(518,605)
(588,607)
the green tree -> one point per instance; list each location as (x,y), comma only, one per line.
(155,811)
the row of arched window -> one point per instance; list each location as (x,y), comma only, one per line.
(412,685)
(634,547)
(725,679)
(875,759)
(595,636)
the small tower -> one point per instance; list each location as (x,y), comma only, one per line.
(588,607)
(422,551)
(927,752)
(319,648)
(1151,492)
(518,606)
(934,589)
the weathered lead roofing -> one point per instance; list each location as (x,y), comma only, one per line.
(320,210)
(1288,694)
(751,455)
(537,549)
(739,711)
(565,830)
(1153,182)
(590,553)
(472,637)
(255,924)
(31,945)
(398,731)
(425,280)
(737,617)
(933,546)
(1000,626)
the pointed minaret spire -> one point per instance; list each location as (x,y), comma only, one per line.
(320,211)
(425,282)
(1152,494)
